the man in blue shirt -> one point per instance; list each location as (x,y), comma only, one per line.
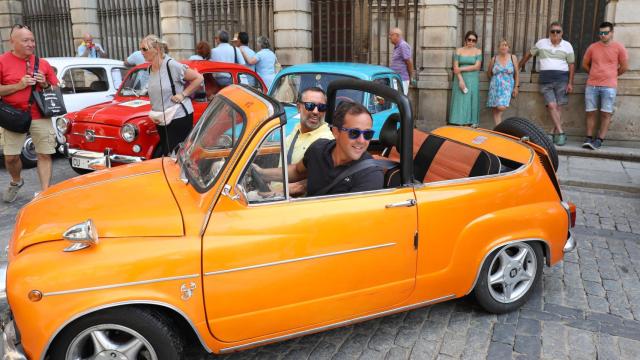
(90,49)
(224,52)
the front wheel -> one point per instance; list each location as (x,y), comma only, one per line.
(508,277)
(127,333)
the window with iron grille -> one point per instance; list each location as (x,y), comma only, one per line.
(50,22)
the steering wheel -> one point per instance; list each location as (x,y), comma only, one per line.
(259,181)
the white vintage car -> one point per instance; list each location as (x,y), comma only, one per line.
(84,82)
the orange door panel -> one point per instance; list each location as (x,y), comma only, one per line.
(281,266)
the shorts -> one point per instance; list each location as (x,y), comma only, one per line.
(601,98)
(555,92)
(42,135)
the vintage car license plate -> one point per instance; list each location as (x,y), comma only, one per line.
(81,163)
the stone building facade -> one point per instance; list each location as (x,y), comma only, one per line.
(439,32)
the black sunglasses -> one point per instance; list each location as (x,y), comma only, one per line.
(555,31)
(309,106)
(472,40)
(18,26)
(144,49)
(355,133)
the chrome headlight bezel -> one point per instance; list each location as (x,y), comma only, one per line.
(62,125)
(129,132)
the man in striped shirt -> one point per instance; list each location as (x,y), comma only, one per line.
(556,75)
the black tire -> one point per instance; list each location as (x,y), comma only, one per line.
(28,155)
(121,326)
(488,296)
(79,171)
(520,127)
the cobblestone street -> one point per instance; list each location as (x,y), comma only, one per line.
(587,308)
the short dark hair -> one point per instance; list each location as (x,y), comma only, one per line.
(223,36)
(243,36)
(555,23)
(470,32)
(606,24)
(350,108)
(314,89)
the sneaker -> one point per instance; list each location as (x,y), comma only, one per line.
(587,142)
(11,193)
(596,144)
(560,139)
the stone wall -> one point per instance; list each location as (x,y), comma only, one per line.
(10,13)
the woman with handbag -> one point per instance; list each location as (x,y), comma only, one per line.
(171,107)
(505,80)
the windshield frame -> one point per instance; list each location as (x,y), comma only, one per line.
(129,75)
(191,178)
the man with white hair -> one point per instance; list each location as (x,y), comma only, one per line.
(401,59)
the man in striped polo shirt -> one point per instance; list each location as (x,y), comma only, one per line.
(556,75)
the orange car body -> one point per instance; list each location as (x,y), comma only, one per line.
(241,275)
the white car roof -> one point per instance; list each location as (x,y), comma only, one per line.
(60,62)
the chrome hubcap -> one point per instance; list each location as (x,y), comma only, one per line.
(110,342)
(512,272)
(29,149)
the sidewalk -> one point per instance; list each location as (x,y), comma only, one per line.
(611,167)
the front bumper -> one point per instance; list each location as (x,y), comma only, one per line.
(10,350)
(99,161)
(571,243)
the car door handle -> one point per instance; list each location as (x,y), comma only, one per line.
(407,203)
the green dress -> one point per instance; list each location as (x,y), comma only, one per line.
(465,108)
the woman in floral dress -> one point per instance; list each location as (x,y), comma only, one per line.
(505,81)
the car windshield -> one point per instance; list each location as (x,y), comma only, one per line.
(287,88)
(136,84)
(211,143)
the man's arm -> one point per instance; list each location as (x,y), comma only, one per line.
(624,62)
(296,172)
(23,83)
(572,70)
(83,51)
(586,62)
(409,64)
(524,60)
(100,51)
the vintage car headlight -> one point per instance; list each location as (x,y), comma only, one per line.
(62,124)
(129,132)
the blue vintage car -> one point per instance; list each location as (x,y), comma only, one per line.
(290,81)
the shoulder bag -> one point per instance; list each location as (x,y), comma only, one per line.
(50,100)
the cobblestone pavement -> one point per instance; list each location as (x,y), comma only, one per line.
(588,306)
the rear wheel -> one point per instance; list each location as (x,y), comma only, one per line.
(122,334)
(520,127)
(508,277)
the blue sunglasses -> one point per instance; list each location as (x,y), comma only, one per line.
(309,106)
(355,133)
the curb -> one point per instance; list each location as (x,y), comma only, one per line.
(622,154)
(630,188)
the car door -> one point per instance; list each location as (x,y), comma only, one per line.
(273,264)
(84,86)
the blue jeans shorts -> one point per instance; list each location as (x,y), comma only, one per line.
(555,92)
(599,98)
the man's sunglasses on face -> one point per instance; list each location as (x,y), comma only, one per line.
(556,31)
(309,106)
(603,33)
(353,134)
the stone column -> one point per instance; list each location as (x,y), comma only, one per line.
(438,28)
(176,25)
(292,31)
(10,13)
(84,20)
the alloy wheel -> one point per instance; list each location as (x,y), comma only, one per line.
(512,272)
(112,342)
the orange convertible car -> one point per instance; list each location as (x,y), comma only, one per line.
(145,256)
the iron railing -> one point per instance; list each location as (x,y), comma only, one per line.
(523,22)
(124,23)
(50,22)
(253,16)
(358,30)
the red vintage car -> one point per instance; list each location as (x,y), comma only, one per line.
(120,132)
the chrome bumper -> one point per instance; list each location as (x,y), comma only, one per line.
(9,349)
(99,161)
(571,243)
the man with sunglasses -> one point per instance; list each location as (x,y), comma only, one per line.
(88,48)
(326,162)
(17,77)
(604,61)
(556,75)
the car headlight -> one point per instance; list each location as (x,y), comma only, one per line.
(129,132)
(62,124)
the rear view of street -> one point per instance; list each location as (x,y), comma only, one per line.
(587,308)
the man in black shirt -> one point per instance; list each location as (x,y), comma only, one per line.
(325,161)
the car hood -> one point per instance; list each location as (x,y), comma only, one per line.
(115,113)
(127,201)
